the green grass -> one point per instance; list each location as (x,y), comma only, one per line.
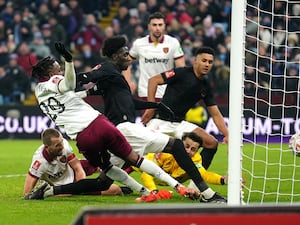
(15,159)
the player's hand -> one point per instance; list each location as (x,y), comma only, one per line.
(61,49)
(82,78)
(225,140)
(162,107)
(147,116)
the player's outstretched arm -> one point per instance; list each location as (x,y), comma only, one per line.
(69,83)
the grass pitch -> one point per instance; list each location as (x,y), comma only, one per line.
(15,160)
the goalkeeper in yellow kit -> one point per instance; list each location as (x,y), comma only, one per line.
(192,143)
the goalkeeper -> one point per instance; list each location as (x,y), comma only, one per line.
(192,142)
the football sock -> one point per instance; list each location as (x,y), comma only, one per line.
(186,163)
(207,155)
(84,186)
(120,175)
(208,193)
(153,169)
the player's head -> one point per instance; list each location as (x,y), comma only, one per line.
(115,49)
(192,142)
(53,142)
(156,25)
(204,60)
(46,68)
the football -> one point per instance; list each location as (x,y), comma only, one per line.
(294,144)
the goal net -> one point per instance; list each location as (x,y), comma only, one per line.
(270,59)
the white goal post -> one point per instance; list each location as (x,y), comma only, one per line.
(235,101)
(264,102)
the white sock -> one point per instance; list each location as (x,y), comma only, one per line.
(117,174)
(208,193)
(154,170)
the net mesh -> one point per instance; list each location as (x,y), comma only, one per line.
(271,101)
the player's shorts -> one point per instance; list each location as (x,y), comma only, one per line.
(174,129)
(87,167)
(142,140)
(99,137)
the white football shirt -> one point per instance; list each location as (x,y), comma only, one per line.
(67,110)
(154,59)
(56,172)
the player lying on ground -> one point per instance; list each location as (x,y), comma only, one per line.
(54,162)
(192,142)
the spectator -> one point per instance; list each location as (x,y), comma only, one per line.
(20,29)
(26,58)
(3,31)
(202,12)
(8,13)
(48,38)
(129,29)
(53,6)
(153,6)
(6,87)
(143,14)
(90,34)
(180,14)
(4,53)
(38,46)
(108,32)
(58,32)
(92,7)
(21,82)
(171,5)
(77,13)
(43,14)
(68,21)
(88,56)
(191,7)
(123,15)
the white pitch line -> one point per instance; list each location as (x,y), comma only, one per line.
(12,175)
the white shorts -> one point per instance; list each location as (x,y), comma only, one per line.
(142,140)
(175,129)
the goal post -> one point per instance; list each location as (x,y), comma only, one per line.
(264,102)
(235,101)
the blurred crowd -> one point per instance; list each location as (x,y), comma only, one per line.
(272,48)
(28,30)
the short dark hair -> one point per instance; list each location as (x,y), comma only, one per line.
(112,45)
(195,137)
(156,15)
(43,67)
(207,50)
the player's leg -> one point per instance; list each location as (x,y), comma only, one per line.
(210,146)
(143,141)
(80,187)
(176,148)
(210,143)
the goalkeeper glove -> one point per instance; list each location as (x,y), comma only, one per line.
(61,49)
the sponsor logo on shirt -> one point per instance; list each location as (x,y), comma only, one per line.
(157,60)
(36,165)
(170,73)
(55,80)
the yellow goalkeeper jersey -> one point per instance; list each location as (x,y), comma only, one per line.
(167,162)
